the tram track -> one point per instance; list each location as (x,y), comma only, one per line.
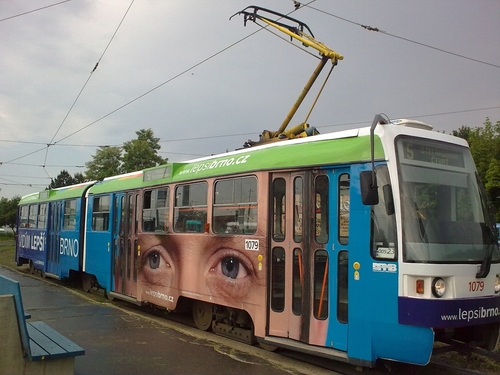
(437,365)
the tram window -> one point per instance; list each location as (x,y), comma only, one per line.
(155,210)
(383,222)
(130,211)
(321,208)
(298,281)
(190,211)
(298,198)
(235,206)
(100,213)
(23,222)
(320,284)
(279,214)
(342,281)
(278,279)
(32,216)
(42,216)
(343,208)
(136,213)
(69,222)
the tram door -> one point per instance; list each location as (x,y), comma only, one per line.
(303,269)
(125,244)
(118,253)
(55,226)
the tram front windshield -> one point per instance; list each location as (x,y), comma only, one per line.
(445,215)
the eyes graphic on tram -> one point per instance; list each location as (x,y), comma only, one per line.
(225,271)
(231,274)
(157,266)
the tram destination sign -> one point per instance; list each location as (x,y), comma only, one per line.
(432,153)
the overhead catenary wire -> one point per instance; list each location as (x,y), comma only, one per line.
(184,72)
(216,136)
(253,133)
(33,11)
(297,7)
(225,135)
(86,82)
(376,29)
(171,79)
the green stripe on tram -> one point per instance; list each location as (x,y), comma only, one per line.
(281,155)
(66,192)
(307,154)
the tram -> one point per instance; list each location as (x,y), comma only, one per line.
(358,245)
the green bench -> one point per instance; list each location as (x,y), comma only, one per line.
(30,347)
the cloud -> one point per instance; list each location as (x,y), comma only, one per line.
(48,56)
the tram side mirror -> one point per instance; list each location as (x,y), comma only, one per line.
(388,199)
(369,191)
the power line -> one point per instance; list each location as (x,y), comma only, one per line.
(178,75)
(241,134)
(376,29)
(12,175)
(56,144)
(20,184)
(34,10)
(48,165)
(171,79)
(85,84)
(411,116)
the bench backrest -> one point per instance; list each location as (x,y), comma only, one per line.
(9,286)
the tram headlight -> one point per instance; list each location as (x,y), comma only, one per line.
(438,287)
(497,284)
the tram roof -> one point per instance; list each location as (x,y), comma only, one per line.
(66,192)
(319,150)
(335,148)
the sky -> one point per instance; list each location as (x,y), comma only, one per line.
(205,84)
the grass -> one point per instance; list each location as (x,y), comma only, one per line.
(7,250)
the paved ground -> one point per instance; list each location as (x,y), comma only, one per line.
(119,341)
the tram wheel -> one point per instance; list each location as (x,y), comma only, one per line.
(202,315)
(32,267)
(109,296)
(87,282)
(267,347)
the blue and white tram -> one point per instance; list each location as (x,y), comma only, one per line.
(351,254)
(49,230)
(432,244)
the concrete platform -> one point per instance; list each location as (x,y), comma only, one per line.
(121,341)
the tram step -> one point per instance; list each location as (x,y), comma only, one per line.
(235,333)
(305,348)
(124,297)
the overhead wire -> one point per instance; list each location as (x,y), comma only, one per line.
(170,79)
(52,143)
(85,84)
(376,29)
(34,10)
(240,134)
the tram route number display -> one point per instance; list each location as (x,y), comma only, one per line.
(429,153)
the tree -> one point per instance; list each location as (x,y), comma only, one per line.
(79,178)
(8,211)
(463,132)
(64,178)
(105,163)
(142,152)
(484,142)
